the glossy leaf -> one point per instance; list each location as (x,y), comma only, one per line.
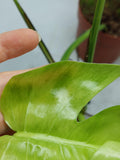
(95,138)
(42,106)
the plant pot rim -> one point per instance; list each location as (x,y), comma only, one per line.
(105,34)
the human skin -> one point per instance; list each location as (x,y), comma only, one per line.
(13,44)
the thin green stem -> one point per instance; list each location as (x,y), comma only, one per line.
(77,42)
(95,30)
(31,26)
(93,35)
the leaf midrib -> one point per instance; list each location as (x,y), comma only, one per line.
(53,139)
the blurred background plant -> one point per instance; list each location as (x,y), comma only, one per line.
(111,14)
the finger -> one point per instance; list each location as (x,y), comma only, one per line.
(3,126)
(4,78)
(4,129)
(17,42)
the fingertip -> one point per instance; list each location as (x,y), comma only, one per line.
(3,126)
(17,42)
(29,37)
(32,36)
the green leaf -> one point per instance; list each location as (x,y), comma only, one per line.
(42,107)
(94,139)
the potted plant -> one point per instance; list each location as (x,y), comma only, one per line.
(107,48)
(43,107)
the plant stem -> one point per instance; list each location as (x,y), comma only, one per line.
(93,35)
(77,42)
(31,26)
(95,30)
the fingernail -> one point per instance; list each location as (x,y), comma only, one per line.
(39,36)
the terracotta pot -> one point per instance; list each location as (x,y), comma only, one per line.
(107,48)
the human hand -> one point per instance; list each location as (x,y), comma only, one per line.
(14,44)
